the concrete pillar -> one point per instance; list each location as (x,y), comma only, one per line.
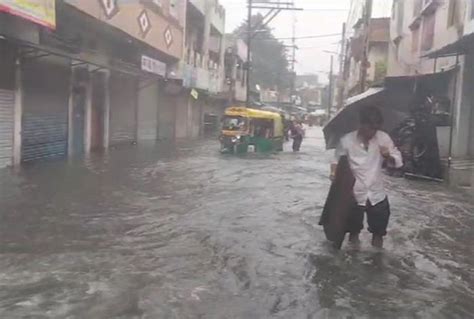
(462,111)
(70,116)
(18,112)
(106,109)
(88,117)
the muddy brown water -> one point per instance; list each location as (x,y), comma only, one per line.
(184,232)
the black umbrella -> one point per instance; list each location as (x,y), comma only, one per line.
(394,111)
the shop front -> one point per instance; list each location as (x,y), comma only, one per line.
(45,108)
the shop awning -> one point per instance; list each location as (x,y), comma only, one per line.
(87,58)
(465,45)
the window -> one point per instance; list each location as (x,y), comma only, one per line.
(428,32)
(417,7)
(154,5)
(400,14)
(452,12)
(472,9)
(174,9)
(394,14)
(234,123)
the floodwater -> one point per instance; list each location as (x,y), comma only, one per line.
(184,232)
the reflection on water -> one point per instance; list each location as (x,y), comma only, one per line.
(184,232)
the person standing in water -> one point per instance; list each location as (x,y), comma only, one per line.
(297,134)
(367,149)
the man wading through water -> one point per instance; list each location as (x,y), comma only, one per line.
(367,149)
(297,134)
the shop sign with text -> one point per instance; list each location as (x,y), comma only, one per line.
(153,66)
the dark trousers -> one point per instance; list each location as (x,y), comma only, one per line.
(377,218)
(297,140)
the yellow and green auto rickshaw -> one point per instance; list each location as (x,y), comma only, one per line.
(245,129)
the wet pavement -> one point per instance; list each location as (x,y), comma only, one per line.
(184,232)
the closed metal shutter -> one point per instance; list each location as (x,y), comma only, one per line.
(148,113)
(167,118)
(123,111)
(7,101)
(45,109)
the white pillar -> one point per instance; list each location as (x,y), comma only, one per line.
(462,111)
(106,80)
(18,112)
(70,135)
(88,116)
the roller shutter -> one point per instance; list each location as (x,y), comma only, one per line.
(45,109)
(148,113)
(7,101)
(123,110)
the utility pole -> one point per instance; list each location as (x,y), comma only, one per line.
(342,64)
(365,56)
(331,85)
(249,50)
(293,63)
(274,7)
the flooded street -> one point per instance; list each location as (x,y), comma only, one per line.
(190,233)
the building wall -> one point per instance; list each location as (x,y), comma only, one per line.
(404,59)
(126,17)
(469,18)
(378,53)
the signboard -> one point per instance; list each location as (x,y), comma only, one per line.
(153,66)
(40,12)
(194,94)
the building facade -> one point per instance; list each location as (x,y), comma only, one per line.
(202,69)
(235,84)
(115,74)
(373,42)
(421,30)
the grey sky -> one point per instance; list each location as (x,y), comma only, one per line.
(319,17)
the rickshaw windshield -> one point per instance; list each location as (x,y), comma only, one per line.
(234,123)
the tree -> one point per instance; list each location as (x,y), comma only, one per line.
(269,57)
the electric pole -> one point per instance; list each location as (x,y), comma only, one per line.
(365,56)
(274,8)
(331,85)
(249,50)
(293,64)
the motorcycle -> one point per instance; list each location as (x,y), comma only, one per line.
(417,141)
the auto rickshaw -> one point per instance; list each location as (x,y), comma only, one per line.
(245,129)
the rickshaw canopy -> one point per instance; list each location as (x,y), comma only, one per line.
(252,113)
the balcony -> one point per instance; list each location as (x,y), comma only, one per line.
(218,18)
(200,5)
(429,7)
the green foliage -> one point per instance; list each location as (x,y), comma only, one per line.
(269,57)
(380,71)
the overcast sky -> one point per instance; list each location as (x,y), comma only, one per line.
(320,17)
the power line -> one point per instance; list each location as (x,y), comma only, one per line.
(302,37)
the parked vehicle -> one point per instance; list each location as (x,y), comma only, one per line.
(244,129)
(416,138)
